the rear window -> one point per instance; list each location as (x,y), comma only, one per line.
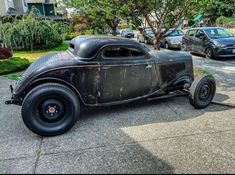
(71,46)
(191,32)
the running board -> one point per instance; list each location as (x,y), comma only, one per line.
(179,94)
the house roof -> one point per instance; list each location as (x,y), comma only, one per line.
(42,1)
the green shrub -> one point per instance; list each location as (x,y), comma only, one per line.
(14,64)
(31,34)
(225,21)
(69,36)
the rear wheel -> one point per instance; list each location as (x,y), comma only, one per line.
(202,91)
(50,109)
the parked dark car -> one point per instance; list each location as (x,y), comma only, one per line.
(127,33)
(213,42)
(102,71)
(146,36)
(172,39)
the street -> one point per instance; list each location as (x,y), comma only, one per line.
(163,136)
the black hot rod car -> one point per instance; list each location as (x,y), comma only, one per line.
(101,71)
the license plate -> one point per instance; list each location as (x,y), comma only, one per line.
(233,50)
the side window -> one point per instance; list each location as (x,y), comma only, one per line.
(116,52)
(191,33)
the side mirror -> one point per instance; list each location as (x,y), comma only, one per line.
(202,37)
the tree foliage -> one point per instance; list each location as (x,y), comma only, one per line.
(160,14)
(31,34)
(217,8)
(106,13)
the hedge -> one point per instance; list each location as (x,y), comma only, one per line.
(13,65)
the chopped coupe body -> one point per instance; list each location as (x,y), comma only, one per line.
(96,71)
(102,79)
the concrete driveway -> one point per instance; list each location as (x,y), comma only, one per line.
(164,136)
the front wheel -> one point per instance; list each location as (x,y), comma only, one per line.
(209,53)
(50,109)
(146,41)
(184,48)
(202,91)
(166,45)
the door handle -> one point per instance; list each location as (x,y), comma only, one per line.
(149,66)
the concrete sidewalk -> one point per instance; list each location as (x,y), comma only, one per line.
(167,136)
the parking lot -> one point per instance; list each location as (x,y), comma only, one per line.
(163,136)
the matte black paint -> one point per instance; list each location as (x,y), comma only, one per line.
(98,81)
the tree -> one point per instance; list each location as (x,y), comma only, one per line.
(29,33)
(105,12)
(217,8)
(160,14)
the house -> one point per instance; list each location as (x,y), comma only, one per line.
(13,7)
(44,7)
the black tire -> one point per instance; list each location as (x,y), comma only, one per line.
(145,41)
(202,91)
(166,45)
(209,53)
(50,109)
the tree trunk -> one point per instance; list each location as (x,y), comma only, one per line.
(114,33)
(156,44)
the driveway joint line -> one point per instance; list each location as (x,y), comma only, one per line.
(38,156)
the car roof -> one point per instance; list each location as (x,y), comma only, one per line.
(203,28)
(87,46)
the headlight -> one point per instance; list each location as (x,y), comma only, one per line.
(217,44)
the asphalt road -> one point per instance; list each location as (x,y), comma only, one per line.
(164,136)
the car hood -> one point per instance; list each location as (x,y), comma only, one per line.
(45,63)
(226,41)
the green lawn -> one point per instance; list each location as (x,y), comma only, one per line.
(33,55)
(199,72)
(13,76)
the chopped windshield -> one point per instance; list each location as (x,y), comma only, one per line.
(218,33)
(175,33)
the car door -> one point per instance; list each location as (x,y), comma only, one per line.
(126,73)
(200,41)
(190,39)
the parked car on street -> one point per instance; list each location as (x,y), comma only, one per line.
(172,39)
(146,36)
(102,71)
(127,33)
(118,32)
(213,42)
